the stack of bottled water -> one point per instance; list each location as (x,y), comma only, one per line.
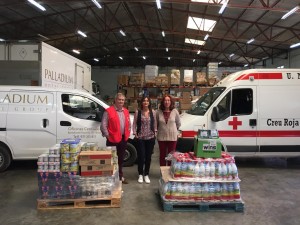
(186,166)
(200,179)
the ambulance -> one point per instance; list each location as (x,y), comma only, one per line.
(256,112)
(33,119)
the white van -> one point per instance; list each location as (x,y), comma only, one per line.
(256,111)
(32,119)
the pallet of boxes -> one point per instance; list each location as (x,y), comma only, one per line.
(74,174)
(203,180)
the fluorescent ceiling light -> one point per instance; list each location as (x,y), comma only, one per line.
(122,32)
(97,4)
(106,49)
(220,63)
(295,45)
(2,39)
(158,4)
(223,6)
(204,1)
(42,36)
(163,33)
(194,42)
(194,60)
(250,41)
(95,59)
(231,55)
(169,58)
(246,65)
(76,51)
(198,52)
(81,33)
(293,10)
(144,57)
(206,36)
(37,5)
(136,49)
(202,24)
(120,57)
(167,49)
(280,67)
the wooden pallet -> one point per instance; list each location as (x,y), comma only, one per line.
(177,206)
(82,203)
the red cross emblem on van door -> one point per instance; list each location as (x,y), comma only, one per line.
(235,123)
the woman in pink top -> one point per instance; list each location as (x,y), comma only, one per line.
(144,128)
(168,122)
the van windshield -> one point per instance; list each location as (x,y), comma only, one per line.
(203,104)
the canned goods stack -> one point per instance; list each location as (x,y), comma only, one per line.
(59,176)
(50,161)
(69,151)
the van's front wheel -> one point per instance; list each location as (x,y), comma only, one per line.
(5,158)
(130,155)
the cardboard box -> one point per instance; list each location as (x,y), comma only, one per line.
(123,79)
(151,71)
(185,106)
(207,148)
(92,162)
(130,92)
(90,158)
(188,76)
(203,90)
(136,79)
(201,78)
(185,101)
(104,167)
(186,95)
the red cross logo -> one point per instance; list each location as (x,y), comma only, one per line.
(235,123)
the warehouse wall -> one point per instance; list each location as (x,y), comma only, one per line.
(290,59)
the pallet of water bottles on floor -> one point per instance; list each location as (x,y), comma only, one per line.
(74,174)
(200,184)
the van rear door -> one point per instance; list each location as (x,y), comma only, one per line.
(77,118)
(237,122)
(31,123)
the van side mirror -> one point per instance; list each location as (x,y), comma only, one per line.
(215,114)
(99,116)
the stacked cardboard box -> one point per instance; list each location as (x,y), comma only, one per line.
(96,163)
(123,79)
(188,76)
(175,77)
(201,78)
(185,101)
(212,70)
(133,106)
(162,80)
(137,79)
(203,90)
(151,71)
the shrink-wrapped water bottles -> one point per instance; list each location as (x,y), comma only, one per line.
(234,170)
(212,170)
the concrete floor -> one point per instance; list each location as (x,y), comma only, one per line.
(270,189)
